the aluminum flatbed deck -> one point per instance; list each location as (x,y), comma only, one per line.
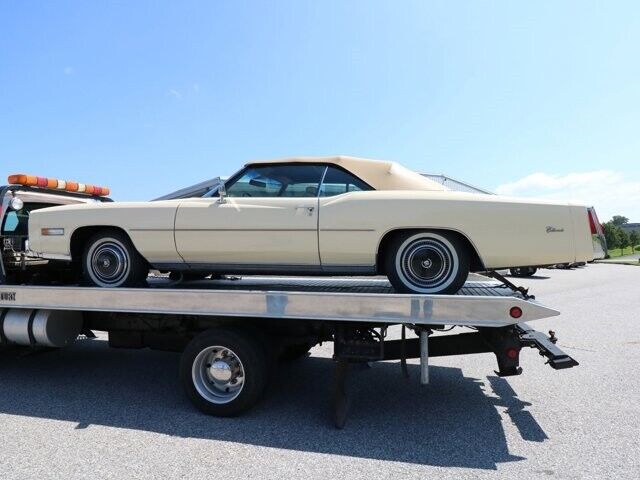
(481,303)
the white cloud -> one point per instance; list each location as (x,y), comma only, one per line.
(68,70)
(611,192)
(175,93)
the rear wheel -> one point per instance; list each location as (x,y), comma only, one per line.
(224,371)
(427,263)
(110,260)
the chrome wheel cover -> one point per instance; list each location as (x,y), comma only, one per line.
(108,263)
(218,375)
(427,263)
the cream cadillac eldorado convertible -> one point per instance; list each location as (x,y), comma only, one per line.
(316,216)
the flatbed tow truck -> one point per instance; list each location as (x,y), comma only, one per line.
(233,331)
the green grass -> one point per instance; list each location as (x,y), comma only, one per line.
(617,252)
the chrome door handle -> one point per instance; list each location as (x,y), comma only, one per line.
(307,208)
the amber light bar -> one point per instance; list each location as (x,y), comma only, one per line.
(55,184)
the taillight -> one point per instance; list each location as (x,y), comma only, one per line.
(594,223)
(512,353)
(515,312)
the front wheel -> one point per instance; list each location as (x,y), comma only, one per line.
(110,260)
(427,263)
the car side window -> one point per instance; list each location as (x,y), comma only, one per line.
(280,180)
(338,181)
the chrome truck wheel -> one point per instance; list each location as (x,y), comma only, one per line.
(218,374)
(224,371)
(110,260)
(427,263)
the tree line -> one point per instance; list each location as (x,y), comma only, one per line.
(616,236)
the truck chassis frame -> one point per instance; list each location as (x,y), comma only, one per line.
(289,315)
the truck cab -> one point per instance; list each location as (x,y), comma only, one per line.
(22,195)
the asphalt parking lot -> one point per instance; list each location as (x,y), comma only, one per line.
(94,412)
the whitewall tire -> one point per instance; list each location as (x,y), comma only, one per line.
(110,261)
(427,263)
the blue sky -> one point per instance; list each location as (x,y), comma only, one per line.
(533,98)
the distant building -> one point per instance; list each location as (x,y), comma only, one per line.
(455,185)
(631,227)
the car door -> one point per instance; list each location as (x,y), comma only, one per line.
(346,231)
(268,217)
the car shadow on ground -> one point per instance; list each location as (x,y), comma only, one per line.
(532,277)
(454,422)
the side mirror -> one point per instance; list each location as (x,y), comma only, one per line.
(222,192)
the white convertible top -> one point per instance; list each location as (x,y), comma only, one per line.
(380,174)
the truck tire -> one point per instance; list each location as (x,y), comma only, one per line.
(427,263)
(110,260)
(224,371)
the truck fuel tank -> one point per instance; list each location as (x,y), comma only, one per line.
(47,328)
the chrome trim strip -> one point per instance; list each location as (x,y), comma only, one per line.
(253,269)
(347,230)
(237,268)
(324,174)
(245,229)
(251,230)
(349,269)
(49,256)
